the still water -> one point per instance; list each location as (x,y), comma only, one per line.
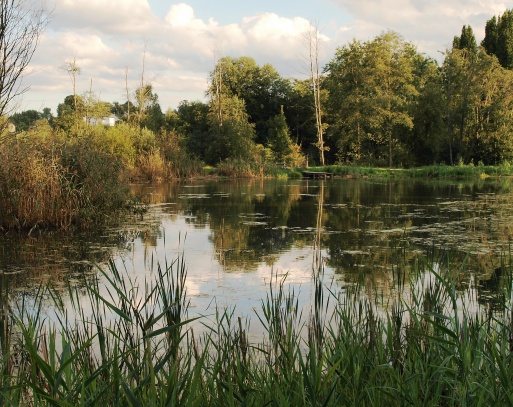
(236,235)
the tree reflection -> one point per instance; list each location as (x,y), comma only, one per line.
(362,228)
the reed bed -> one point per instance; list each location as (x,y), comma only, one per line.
(58,185)
(137,345)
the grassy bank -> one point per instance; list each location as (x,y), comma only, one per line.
(426,172)
(52,179)
(136,346)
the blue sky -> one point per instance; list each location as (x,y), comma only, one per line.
(178,40)
(229,11)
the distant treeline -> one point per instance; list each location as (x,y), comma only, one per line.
(381,103)
(378,102)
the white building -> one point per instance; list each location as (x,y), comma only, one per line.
(106,121)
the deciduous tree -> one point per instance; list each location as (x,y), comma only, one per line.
(261,88)
(234,136)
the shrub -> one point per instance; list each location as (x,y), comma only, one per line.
(55,184)
(34,188)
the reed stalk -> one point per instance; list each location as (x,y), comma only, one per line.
(131,342)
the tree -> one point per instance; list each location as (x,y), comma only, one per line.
(94,108)
(348,106)
(21,25)
(490,128)
(153,117)
(234,136)
(73,70)
(28,118)
(428,140)
(312,42)
(459,69)
(372,87)
(261,88)
(279,137)
(69,112)
(479,105)
(467,40)
(193,125)
(300,114)
(498,39)
(491,39)
(391,68)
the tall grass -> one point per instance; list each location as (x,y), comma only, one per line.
(57,184)
(137,346)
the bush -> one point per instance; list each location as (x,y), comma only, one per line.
(34,188)
(54,184)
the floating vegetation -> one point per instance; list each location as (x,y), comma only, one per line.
(194,196)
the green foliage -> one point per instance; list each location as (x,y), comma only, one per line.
(300,114)
(148,113)
(261,88)
(278,139)
(467,40)
(26,119)
(136,345)
(192,124)
(231,134)
(119,141)
(498,39)
(478,122)
(371,85)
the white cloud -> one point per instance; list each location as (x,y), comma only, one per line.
(87,46)
(129,17)
(178,47)
(182,15)
(430,24)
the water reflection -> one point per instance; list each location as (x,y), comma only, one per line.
(233,233)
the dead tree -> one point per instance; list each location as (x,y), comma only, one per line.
(21,26)
(311,41)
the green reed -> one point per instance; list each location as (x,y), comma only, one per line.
(132,343)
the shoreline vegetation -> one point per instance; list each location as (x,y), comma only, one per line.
(69,184)
(377,103)
(55,181)
(431,344)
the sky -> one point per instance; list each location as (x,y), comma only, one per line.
(176,43)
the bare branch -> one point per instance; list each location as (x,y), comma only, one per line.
(21,26)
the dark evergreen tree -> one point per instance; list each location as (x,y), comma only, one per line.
(279,136)
(24,120)
(467,40)
(491,38)
(498,39)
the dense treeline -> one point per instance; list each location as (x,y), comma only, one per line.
(378,102)
(383,103)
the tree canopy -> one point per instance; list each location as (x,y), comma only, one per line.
(382,103)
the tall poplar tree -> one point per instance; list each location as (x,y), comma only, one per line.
(498,39)
(348,107)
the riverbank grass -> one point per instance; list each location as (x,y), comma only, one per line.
(136,345)
(427,172)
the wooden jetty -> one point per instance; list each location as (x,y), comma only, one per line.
(317,175)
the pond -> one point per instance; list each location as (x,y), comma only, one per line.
(237,235)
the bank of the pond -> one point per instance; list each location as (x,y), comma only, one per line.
(137,346)
(83,188)
(426,172)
